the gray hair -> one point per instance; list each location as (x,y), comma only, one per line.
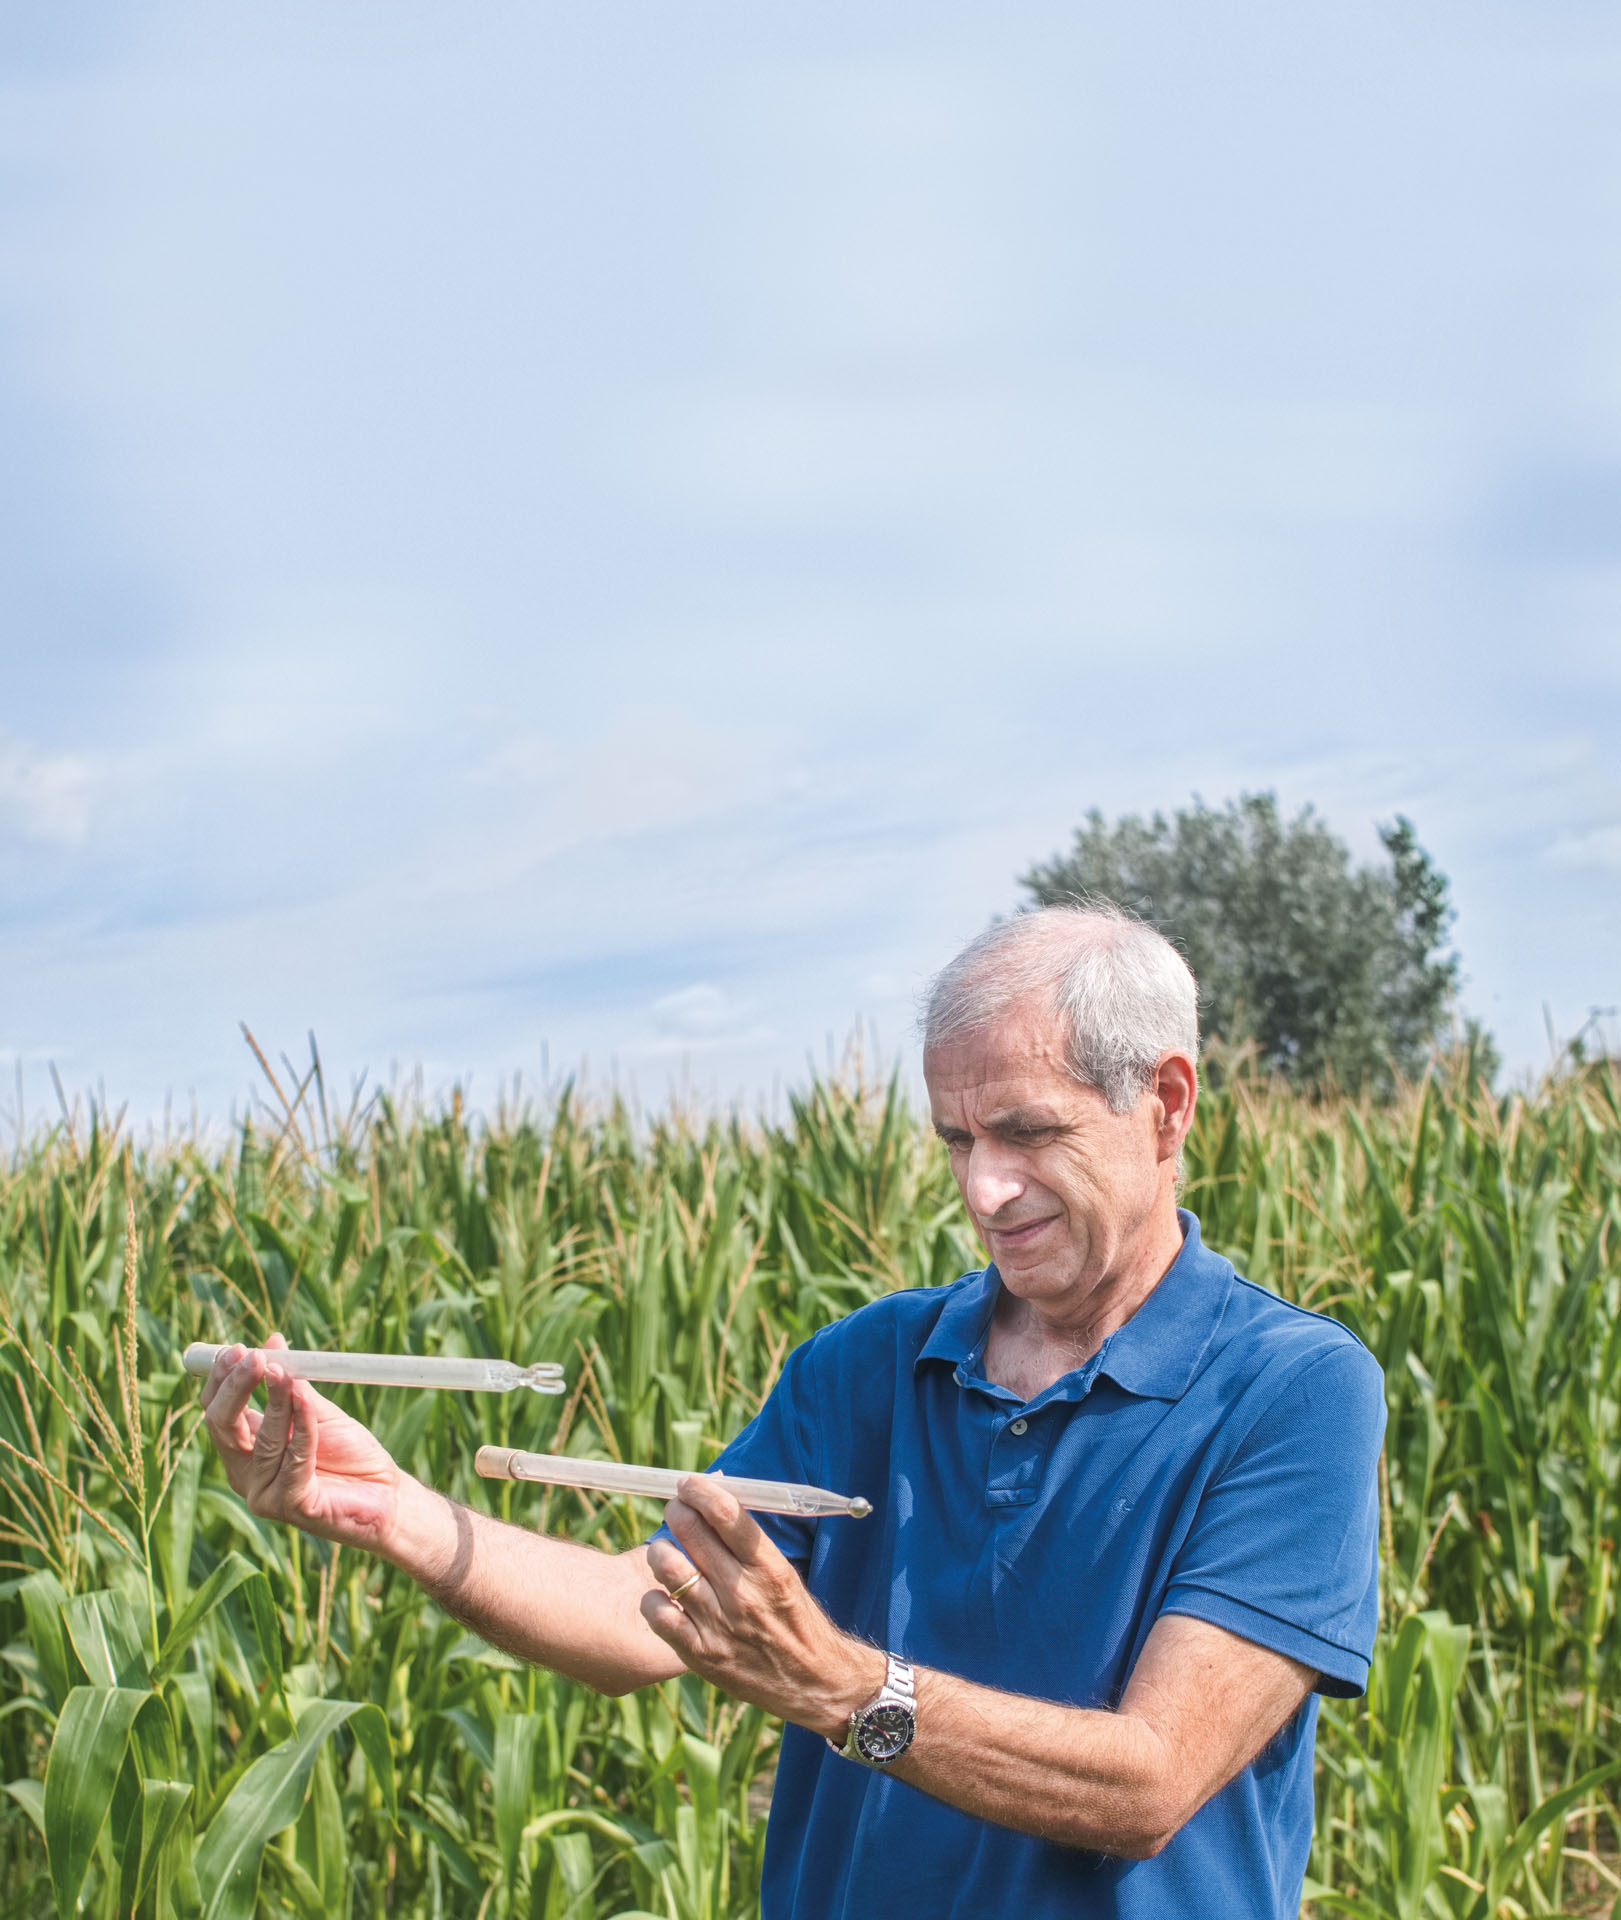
(1123,993)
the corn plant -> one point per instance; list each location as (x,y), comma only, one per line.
(201,1714)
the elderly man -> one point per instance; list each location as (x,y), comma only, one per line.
(1125,1501)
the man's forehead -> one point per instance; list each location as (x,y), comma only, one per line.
(1019,1059)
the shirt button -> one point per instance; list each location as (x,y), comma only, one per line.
(1019,1426)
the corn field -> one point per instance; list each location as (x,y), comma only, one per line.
(202,1715)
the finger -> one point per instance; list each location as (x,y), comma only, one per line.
(225,1411)
(675,1628)
(224,1361)
(708,1553)
(699,1541)
(725,1515)
(696,1598)
(668,1565)
(277,1343)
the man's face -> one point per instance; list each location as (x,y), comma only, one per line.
(1060,1187)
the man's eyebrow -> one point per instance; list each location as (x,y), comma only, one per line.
(1014,1120)
(1023,1120)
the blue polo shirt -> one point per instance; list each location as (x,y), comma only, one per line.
(1217,1458)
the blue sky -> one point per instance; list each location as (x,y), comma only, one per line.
(620,530)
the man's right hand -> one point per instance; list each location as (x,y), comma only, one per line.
(572,1608)
(302,1460)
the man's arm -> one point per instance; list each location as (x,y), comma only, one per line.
(303,1460)
(1200,1704)
(552,1602)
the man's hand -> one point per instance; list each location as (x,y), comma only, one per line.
(748,1623)
(302,1460)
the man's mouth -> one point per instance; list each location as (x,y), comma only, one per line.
(1021,1234)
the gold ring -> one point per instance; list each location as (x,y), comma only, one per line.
(686,1586)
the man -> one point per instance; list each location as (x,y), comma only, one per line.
(1125,1510)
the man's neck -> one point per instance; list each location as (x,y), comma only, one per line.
(1034,1343)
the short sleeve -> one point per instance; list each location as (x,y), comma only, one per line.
(1283,1550)
(774,1446)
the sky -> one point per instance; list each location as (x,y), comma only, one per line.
(542,535)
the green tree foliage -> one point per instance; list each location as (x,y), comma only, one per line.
(1337,973)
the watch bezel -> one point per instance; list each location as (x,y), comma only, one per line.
(882,1732)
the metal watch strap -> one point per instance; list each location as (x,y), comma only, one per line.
(899,1690)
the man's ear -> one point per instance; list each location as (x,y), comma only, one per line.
(1176,1087)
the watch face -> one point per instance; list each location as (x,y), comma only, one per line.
(885,1732)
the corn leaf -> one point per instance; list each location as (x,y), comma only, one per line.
(87,1753)
(107,1638)
(268,1797)
(30,1796)
(513,1779)
(43,1596)
(231,1573)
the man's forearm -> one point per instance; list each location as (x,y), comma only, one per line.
(547,1601)
(1200,1705)
(1078,1777)
(1082,1778)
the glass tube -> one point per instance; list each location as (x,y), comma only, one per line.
(398,1369)
(660,1483)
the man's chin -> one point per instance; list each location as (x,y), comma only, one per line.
(1035,1244)
(1037,1274)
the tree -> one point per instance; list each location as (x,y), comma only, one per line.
(1336,973)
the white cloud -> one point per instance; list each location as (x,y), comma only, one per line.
(701,1012)
(47,797)
(651,770)
(694,1012)
(1599,847)
(704,1019)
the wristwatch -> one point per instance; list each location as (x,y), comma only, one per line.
(882,1730)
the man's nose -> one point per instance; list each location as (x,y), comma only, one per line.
(991,1180)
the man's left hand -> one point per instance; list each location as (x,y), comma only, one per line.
(748,1623)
